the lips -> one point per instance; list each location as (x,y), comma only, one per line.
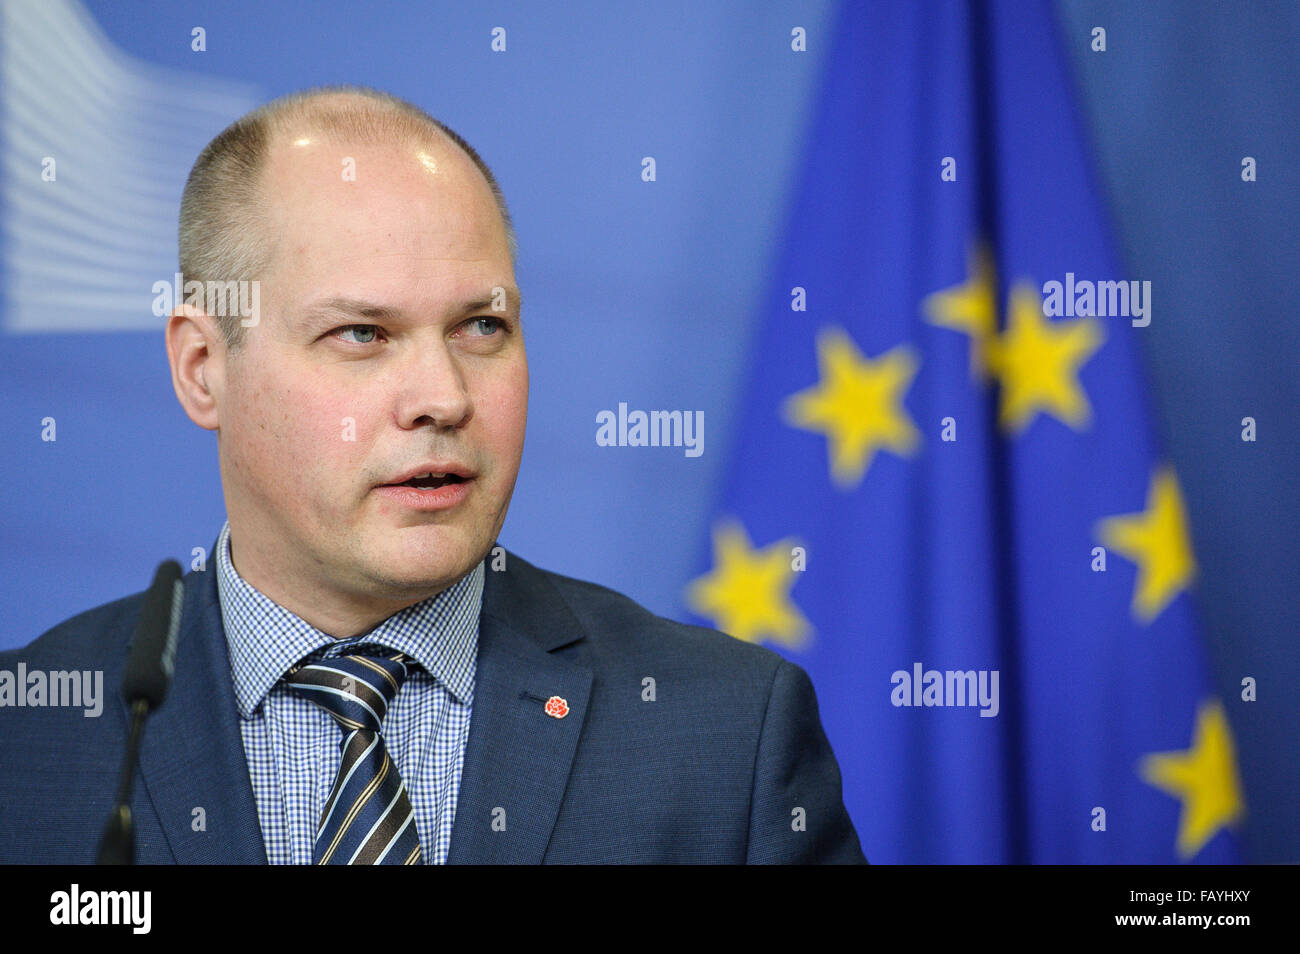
(428,491)
(431,475)
(430,481)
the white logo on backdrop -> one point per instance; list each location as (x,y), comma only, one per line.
(96,147)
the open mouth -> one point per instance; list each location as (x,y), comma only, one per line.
(430,482)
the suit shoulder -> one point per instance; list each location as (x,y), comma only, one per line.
(615,624)
(82,636)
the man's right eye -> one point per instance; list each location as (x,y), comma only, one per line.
(366,334)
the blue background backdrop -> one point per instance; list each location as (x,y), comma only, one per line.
(647,292)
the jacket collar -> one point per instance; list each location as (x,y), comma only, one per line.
(517,759)
(192,753)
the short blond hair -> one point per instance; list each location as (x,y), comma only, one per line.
(220,235)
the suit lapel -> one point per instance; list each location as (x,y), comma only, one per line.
(192,754)
(517,759)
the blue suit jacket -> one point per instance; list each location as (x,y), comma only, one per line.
(715,769)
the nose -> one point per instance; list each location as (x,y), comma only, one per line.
(433,389)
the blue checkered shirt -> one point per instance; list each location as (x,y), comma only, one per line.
(292,745)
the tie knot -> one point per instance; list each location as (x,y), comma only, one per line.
(355,689)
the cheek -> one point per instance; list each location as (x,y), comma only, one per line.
(302,435)
(332,430)
(504,408)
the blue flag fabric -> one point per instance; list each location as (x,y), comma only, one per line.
(946,501)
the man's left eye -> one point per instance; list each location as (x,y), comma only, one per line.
(493,325)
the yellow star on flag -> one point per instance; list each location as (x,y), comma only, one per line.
(1158,542)
(1037,362)
(971,307)
(747,594)
(858,405)
(1203,777)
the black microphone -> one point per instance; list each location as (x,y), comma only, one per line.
(144,686)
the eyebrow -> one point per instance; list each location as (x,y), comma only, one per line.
(375,311)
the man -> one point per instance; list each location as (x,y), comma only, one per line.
(362,674)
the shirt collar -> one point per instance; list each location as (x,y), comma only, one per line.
(265,639)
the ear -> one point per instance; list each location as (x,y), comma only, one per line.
(197,354)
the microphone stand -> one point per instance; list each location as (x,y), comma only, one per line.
(117,845)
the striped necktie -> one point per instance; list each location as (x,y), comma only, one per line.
(367,819)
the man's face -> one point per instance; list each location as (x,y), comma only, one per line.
(378,355)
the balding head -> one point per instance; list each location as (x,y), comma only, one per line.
(224,234)
(370,421)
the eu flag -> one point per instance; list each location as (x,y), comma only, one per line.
(947,500)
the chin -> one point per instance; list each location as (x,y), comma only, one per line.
(435,562)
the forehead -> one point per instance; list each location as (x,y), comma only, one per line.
(417,206)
